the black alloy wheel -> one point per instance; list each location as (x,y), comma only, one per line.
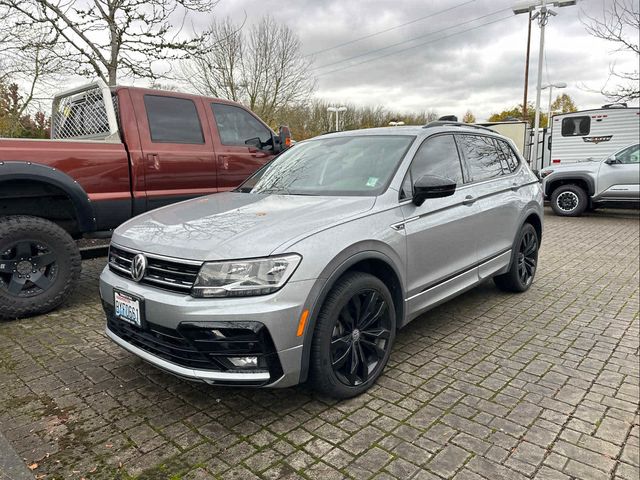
(39,266)
(569,200)
(28,268)
(528,257)
(360,337)
(353,336)
(524,262)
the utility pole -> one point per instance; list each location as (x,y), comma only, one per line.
(542,14)
(526,73)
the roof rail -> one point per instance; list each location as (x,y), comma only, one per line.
(441,123)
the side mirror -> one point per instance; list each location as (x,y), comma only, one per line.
(432,186)
(611,160)
(284,137)
(254,142)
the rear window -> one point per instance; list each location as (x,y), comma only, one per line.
(173,120)
(576,126)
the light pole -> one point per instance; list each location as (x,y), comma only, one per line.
(337,111)
(542,13)
(551,86)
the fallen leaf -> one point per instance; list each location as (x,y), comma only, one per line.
(33,466)
(93,470)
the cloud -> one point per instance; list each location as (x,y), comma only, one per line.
(464,66)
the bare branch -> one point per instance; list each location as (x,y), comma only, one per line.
(105,38)
(619,24)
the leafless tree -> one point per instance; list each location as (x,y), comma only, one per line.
(108,38)
(26,59)
(262,67)
(619,24)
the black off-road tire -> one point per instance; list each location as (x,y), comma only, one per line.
(323,378)
(22,229)
(512,281)
(569,201)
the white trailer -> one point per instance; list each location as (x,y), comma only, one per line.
(515,130)
(592,134)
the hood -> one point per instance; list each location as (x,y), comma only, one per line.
(587,166)
(234,225)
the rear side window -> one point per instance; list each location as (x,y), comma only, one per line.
(482,156)
(510,160)
(576,126)
(173,120)
(436,156)
(236,125)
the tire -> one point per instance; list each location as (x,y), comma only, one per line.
(39,266)
(523,260)
(569,201)
(373,343)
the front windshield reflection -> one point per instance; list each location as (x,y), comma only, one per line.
(350,165)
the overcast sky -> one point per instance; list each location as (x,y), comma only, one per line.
(446,69)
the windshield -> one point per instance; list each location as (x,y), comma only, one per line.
(353,165)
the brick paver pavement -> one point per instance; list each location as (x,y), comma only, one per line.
(489,386)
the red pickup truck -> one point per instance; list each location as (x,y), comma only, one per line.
(114,153)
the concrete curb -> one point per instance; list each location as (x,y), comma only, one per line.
(11,465)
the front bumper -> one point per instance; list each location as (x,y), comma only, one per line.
(175,336)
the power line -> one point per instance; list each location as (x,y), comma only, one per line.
(388,29)
(409,40)
(414,46)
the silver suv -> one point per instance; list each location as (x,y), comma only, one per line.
(612,181)
(308,269)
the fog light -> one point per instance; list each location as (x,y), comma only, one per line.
(244,362)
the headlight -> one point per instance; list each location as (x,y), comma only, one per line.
(544,173)
(242,278)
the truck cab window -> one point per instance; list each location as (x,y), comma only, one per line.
(629,155)
(173,120)
(236,126)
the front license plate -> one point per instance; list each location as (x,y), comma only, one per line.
(127,308)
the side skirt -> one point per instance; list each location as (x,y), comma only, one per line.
(451,287)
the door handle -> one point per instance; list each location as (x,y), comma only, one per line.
(469,200)
(224,160)
(154,161)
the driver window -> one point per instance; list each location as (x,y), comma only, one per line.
(236,126)
(629,155)
(436,156)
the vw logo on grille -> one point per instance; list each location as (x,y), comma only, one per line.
(138,267)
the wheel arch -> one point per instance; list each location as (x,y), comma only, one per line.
(373,261)
(536,221)
(50,179)
(584,181)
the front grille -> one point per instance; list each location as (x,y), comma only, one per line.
(166,274)
(202,345)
